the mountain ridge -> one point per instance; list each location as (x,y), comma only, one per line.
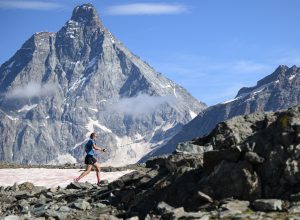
(277,91)
(59,87)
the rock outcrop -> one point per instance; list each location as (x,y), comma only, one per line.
(251,171)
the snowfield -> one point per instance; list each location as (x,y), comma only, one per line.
(52,177)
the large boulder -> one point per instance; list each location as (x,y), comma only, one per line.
(230,179)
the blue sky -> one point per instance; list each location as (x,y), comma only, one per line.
(210,47)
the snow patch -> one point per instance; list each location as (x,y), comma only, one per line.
(292,77)
(174,91)
(167,126)
(12,118)
(258,91)
(11,64)
(52,177)
(94,109)
(63,159)
(90,126)
(128,151)
(77,83)
(192,114)
(231,100)
(27,107)
(103,100)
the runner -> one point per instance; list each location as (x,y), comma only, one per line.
(90,161)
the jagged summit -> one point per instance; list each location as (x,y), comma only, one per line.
(86,13)
(281,74)
(60,87)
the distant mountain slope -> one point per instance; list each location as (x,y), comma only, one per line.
(277,91)
(59,87)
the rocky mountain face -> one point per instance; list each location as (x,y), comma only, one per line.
(277,91)
(250,172)
(60,87)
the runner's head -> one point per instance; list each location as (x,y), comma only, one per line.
(93,135)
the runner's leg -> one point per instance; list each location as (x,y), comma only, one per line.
(97,167)
(86,172)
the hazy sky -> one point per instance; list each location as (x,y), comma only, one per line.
(210,47)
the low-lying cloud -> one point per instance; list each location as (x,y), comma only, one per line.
(143,104)
(146,9)
(32,89)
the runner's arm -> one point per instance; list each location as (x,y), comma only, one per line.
(98,148)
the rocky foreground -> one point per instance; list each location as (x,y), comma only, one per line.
(247,168)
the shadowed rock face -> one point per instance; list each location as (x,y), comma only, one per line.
(252,157)
(277,91)
(61,86)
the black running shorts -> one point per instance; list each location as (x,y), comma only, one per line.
(89,159)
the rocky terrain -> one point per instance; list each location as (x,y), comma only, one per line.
(59,87)
(248,168)
(277,91)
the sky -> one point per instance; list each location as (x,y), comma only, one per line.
(210,47)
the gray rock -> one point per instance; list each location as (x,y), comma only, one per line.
(164,208)
(12,217)
(76,185)
(295,208)
(228,213)
(203,197)
(236,205)
(214,157)
(99,205)
(231,179)
(195,215)
(295,197)
(253,158)
(291,171)
(54,206)
(42,199)
(56,215)
(24,205)
(117,184)
(189,147)
(64,209)
(133,218)
(53,190)
(267,205)
(107,217)
(26,186)
(104,182)
(81,204)
(40,210)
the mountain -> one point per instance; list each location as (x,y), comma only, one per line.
(277,91)
(59,87)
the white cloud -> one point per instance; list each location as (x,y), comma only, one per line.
(143,104)
(32,89)
(29,5)
(146,9)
